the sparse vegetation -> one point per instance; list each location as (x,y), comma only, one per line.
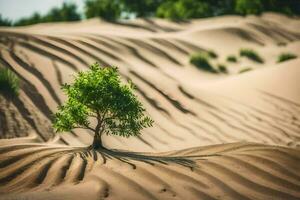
(285,56)
(9,83)
(245,70)
(281,44)
(231,58)
(212,54)
(251,54)
(99,95)
(201,61)
(222,68)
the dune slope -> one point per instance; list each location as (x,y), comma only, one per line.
(154,54)
(231,171)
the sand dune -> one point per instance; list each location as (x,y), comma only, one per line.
(191,109)
(231,171)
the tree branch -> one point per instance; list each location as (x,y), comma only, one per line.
(84,127)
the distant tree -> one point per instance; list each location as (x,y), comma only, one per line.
(184,9)
(246,7)
(221,7)
(290,7)
(99,95)
(140,8)
(5,21)
(33,19)
(107,9)
(68,12)
(168,10)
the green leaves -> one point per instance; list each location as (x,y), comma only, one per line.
(98,93)
(107,9)
(245,7)
(72,114)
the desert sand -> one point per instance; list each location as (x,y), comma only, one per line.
(216,136)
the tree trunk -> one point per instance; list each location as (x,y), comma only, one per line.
(97,143)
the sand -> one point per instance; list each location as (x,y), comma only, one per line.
(216,136)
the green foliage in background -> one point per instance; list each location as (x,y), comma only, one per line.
(35,18)
(68,12)
(285,56)
(5,21)
(251,54)
(9,83)
(246,7)
(107,9)
(177,10)
(99,95)
(183,9)
(144,8)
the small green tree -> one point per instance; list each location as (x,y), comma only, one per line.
(99,95)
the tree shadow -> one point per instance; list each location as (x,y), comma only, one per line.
(128,157)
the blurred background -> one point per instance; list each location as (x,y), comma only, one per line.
(20,12)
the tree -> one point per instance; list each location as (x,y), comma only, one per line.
(33,19)
(68,12)
(222,7)
(107,9)
(184,9)
(140,8)
(290,7)
(5,21)
(246,7)
(98,95)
